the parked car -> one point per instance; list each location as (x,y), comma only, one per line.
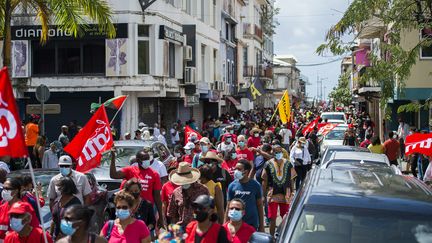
(334,137)
(354,206)
(330,149)
(359,157)
(334,116)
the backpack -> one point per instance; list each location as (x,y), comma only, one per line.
(109,230)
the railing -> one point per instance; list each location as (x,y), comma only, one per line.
(252,30)
(252,71)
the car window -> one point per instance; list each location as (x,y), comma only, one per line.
(335,135)
(333,117)
(338,226)
(123,156)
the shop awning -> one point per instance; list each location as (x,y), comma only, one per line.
(234,101)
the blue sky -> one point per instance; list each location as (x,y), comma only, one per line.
(303,25)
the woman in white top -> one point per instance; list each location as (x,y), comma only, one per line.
(301,160)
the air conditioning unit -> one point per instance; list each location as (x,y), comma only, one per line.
(189,75)
(187,53)
(193,99)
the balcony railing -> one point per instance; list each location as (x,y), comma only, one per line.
(250,30)
(252,71)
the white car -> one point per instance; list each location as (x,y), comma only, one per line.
(335,117)
(334,137)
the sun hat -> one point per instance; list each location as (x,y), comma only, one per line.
(302,140)
(189,145)
(211,155)
(254,130)
(65,160)
(217,123)
(184,174)
(205,140)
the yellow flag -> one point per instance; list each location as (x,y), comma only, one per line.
(285,108)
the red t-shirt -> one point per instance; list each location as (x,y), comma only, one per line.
(245,154)
(254,142)
(391,149)
(149,179)
(133,233)
(243,234)
(167,190)
(4,219)
(187,158)
(230,165)
(35,236)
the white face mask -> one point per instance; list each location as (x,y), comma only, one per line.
(7,195)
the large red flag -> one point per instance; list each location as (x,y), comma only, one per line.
(311,126)
(189,132)
(12,141)
(326,129)
(91,141)
(419,143)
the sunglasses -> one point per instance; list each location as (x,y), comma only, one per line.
(122,207)
(198,207)
(64,166)
(238,209)
(69,219)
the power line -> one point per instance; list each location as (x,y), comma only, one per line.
(319,64)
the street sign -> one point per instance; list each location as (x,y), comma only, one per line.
(42,93)
(48,109)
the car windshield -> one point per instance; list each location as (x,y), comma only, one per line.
(123,156)
(365,166)
(337,226)
(333,117)
(335,135)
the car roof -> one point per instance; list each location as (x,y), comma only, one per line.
(332,113)
(368,190)
(346,148)
(362,166)
(132,143)
(352,155)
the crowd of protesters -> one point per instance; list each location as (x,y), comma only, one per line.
(235,175)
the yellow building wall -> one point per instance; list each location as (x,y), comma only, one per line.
(421,72)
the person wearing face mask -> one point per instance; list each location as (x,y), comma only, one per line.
(22,231)
(148,177)
(180,210)
(226,145)
(243,152)
(204,228)
(239,230)
(230,161)
(229,131)
(254,141)
(80,179)
(125,228)
(189,155)
(276,184)
(28,193)
(76,224)
(157,165)
(68,189)
(215,190)
(250,192)
(12,194)
(161,137)
(142,209)
(300,160)
(205,146)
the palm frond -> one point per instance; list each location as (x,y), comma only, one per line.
(43,14)
(68,15)
(100,12)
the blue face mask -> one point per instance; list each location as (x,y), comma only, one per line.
(228,140)
(238,175)
(233,156)
(16,224)
(66,227)
(204,148)
(235,215)
(65,171)
(145,164)
(122,214)
(241,144)
(279,156)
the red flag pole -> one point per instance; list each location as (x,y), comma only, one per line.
(115,115)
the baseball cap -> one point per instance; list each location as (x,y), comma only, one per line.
(204,201)
(189,146)
(141,124)
(205,140)
(65,160)
(20,208)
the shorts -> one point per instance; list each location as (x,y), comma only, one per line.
(273,209)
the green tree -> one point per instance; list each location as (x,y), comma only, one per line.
(268,20)
(397,17)
(341,94)
(70,15)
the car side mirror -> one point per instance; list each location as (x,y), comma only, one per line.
(260,237)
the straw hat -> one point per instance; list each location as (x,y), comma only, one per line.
(211,155)
(217,123)
(184,174)
(302,140)
(254,130)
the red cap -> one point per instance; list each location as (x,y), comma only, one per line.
(20,208)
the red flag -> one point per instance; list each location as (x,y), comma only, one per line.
(190,132)
(326,129)
(311,126)
(419,143)
(12,141)
(91,141)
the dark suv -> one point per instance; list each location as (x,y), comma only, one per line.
(358,206)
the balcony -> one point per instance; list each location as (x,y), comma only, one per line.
(252,71)
(229,7)
(252,31)
(372,28)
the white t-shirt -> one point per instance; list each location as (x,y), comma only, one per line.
(176,137)
(222,147)
(159,167)
(81,182)
(286,135)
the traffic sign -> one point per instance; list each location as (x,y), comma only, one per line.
(48,109)
(42,93)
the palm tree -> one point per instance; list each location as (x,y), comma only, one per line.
(73,16)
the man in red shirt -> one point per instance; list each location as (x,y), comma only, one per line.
(150,181)
(189,152)
(22,231)
(254,140)
(392,149)
(229,132)
(166,194)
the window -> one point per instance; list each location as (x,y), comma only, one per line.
(143,49)
(245,56)
(214,64)
(76,57)
(426,52)
(227,29)
(203,52)
(171,60)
